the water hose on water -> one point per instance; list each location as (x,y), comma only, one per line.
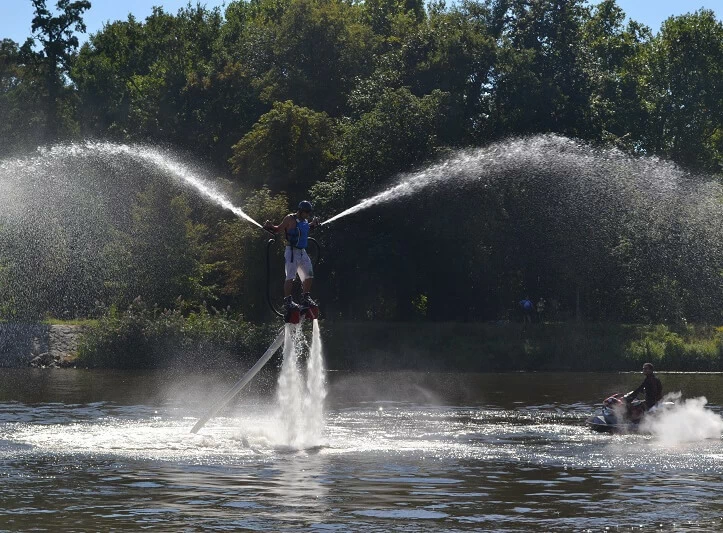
(269,298)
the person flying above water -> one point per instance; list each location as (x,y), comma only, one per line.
(651,385)
(296,229)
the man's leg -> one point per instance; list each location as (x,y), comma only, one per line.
(307,285)
(306,273)
(288,287)
(290,268)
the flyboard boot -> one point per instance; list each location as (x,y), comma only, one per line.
(309,308)
(292,311)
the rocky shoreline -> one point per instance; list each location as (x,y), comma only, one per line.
(39,345)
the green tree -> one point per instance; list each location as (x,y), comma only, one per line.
(318,49)
(22,120)
(540,80)
(166,249)
(56,33)
(681,83)
(290,148)
(163,80)
(616,113)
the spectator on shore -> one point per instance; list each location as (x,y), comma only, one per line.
(541,310)
(527,309)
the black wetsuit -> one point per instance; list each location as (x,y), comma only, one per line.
(653,390)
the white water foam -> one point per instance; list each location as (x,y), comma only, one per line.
(684,421)
(301,402)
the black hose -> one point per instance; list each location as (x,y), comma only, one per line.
(268,279)
(315,261)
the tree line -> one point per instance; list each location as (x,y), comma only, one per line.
(331,99)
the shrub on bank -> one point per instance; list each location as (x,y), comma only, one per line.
(148,337)
(684,348)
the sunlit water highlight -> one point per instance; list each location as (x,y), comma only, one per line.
(505,453)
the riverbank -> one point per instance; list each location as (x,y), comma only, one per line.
(210,341)
(40,344)
(505,347)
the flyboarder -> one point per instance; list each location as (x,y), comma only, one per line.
(296,227)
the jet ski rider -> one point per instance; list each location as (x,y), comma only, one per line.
(296,229)
(651,385)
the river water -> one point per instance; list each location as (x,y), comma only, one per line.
(107,450)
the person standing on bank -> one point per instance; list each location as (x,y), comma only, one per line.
(527,308)
(296,228)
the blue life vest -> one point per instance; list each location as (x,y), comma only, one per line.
(299,236)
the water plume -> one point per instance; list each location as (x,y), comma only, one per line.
(595,174)
(684,421)
(301,401)
(112,155)
(315,385)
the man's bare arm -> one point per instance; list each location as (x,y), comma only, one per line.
(281,227)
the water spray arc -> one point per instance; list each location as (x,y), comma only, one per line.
(542,157)
(162,161)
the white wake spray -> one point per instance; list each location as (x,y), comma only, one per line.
(684,421)
(301,402)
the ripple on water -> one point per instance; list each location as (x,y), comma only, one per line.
(439,468)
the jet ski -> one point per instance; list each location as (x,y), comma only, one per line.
(618,415)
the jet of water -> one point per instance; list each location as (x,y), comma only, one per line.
(301,405)
(535,157)
(163,161)
(315,386)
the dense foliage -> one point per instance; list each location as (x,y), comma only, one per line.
(147,337)
(333,98)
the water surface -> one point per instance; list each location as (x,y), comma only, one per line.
(101,450)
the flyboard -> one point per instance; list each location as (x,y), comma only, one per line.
(294,316)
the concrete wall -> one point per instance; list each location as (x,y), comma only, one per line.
(28,344)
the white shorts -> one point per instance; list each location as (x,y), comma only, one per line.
(301,264)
